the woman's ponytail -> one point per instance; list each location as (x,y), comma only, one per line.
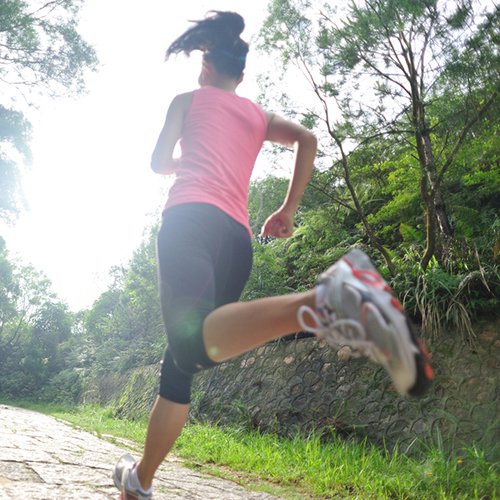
(218,37)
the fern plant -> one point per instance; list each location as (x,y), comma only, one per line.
(443,299)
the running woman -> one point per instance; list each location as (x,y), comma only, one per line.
(205,252)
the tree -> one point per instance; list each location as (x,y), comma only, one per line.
(9,290)
(381,66)
(124,325)
(34,329)
(41,52)
(14,137)
(41,48)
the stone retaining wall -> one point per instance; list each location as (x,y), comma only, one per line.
(301,385)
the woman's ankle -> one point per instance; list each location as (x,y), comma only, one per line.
(145,481)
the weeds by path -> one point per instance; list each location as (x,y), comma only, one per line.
(308,467)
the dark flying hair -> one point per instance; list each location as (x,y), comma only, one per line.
(218,37)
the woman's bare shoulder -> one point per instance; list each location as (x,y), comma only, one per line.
(183,100)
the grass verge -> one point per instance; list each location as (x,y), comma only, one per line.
(307,467)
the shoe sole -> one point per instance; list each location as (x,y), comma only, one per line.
(425,374)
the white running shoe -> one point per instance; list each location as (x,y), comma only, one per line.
(356,308)
(121,474)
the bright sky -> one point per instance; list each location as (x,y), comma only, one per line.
(90,190)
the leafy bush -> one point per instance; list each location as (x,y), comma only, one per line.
(442,299)
(65,387)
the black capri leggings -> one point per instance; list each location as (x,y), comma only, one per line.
(204,260)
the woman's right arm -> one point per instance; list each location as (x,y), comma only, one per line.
(162,160)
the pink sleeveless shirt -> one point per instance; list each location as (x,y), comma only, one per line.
(221,138)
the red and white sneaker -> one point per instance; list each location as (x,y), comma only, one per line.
(355,307)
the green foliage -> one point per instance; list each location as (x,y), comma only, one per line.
(65,388)
(42,47)
(318,242)
(124,326)
(478,54)
(268,275)
(94,418)
(42,53)
(410,100)
(286,23)
(447,299)
(138,394)
(35,328)
(14,136)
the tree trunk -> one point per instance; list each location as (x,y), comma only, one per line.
(438,227)
(444,226)
(430,223)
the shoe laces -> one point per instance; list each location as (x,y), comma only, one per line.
(339,332)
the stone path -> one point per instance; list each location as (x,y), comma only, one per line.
(42,458)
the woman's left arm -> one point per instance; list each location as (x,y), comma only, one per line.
(287,133)
(162,160)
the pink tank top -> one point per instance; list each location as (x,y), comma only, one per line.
(221,138)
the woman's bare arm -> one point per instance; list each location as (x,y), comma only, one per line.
(286,133)
(162,161)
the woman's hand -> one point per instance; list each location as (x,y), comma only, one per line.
(279,224)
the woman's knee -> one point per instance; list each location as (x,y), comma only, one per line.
(189,352)
(184,325)
(175,384)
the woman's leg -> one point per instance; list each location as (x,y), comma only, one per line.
(235,328)
(166,422)
(167,418)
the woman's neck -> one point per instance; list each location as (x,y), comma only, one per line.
(227,84)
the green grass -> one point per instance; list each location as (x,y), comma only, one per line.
(308,468)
